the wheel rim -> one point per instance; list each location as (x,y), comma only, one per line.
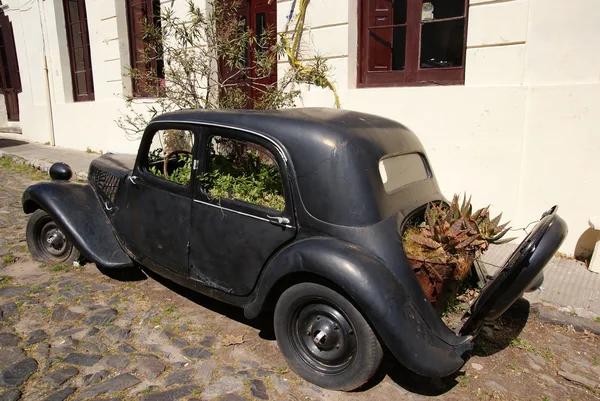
(323,337)
(52,242)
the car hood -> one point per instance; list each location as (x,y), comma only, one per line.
(106,174)
(116,164)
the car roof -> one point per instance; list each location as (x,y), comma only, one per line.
(335,153)
(282,124)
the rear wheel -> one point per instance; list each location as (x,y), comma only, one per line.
(46,242)
(324,338)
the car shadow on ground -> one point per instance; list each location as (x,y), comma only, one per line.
(491,340)
(8,143)
(125,275)
(501,334)
(409,380)
(263,323)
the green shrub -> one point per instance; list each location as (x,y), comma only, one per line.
(242,175)
(237,174)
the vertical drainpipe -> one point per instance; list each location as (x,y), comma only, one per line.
(49,116)
(48,98)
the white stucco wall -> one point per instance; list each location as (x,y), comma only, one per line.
(520,134)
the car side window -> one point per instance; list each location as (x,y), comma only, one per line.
(170,155)
(242,171)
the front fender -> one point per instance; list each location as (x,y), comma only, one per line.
(378,294)
(76,210)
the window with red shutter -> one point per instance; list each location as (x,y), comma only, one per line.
(411,42)
(78,41)
(147,61)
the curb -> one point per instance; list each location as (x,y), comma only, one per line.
(552,315)
(42,165)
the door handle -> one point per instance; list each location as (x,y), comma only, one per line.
(132,178)
(279,220)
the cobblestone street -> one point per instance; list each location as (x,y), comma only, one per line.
(74,333)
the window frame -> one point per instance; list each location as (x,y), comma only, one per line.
(412,75)
(237,205)
(135,28)
(87,57)
(141,165)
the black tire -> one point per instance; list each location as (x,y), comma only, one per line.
(324,338)
(40,230)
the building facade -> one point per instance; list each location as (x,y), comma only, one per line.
(504,94)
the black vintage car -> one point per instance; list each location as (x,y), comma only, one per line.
(297,211)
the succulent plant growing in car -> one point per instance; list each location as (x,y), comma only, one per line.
(447,241)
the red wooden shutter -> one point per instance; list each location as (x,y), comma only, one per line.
(381,14)
(79,49)
(149,66)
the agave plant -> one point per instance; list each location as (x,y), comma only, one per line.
(449,238)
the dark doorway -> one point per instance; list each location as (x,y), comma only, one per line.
(9,68)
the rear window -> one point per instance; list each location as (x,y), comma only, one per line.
(399,171)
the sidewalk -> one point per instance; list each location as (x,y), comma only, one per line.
(42,156)
(568,284)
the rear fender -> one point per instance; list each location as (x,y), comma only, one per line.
(377,294)
(76,210)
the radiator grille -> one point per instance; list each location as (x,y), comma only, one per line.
(104,182)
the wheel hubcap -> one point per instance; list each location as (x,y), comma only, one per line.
(324,337)
(53,241)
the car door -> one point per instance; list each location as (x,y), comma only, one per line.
(155,224)
(242,211)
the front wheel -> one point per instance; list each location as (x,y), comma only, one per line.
(324,338)
(46,242)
